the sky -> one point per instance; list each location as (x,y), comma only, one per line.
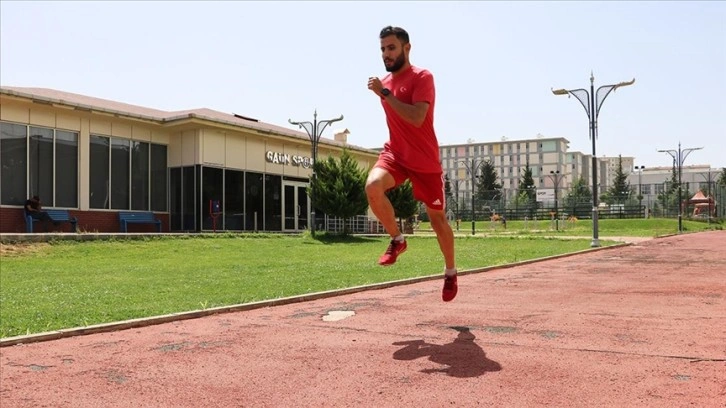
(494,65)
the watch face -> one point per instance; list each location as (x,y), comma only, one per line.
(386,91)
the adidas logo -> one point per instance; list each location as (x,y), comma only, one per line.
(437,202)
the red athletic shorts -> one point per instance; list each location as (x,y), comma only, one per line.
(427,187)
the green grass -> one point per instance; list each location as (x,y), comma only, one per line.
(67,284)
(652,227)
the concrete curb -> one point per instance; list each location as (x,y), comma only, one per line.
(155,320)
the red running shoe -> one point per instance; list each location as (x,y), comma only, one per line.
(450,288)
(395,249)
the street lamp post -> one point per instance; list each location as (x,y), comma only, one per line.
(640,189)
(314,130)
(472,168)
(679,157)
(556,177)
(457,187)
(592,102)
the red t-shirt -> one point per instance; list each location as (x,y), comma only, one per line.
(417,149)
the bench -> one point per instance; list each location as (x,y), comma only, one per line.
(57,216)
(126,218)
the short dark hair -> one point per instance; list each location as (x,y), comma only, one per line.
(399,32)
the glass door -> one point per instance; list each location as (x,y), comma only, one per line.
(295,206)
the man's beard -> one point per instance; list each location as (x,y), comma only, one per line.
(397,64)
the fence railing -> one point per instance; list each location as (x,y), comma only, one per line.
(517,204)
(648,206)
(360,224)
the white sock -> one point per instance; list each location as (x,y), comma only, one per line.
(399,238)
(449,272)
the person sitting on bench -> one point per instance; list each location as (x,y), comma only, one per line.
(34,209)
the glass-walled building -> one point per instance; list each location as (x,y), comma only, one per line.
(195,170)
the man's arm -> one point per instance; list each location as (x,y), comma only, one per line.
(413,114)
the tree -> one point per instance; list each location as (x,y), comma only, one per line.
(404,205)
(339,187)
(521,201)
(487,188)
(620,190)
(579,196)
(527,187)
(527,182)
(447,186)
(447,191)
(669,197)
(722,177)
(672,187)
(452,195)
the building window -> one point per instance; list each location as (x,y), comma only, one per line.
(40,158)
(66,169)
(212,190)
(120,174)
(175,199)
(52,165)
(127,174)
(190,190)
(254,201)
(13,156)
(158,178)
(234,200)
(139,176)
(273,203)
(99,172)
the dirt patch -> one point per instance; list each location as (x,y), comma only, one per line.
(21,249)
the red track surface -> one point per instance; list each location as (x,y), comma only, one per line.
(636,326)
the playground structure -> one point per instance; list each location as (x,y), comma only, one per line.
(702,205)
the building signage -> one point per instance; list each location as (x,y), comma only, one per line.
(290,160)
(545,195)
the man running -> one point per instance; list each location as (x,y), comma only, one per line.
(407,94)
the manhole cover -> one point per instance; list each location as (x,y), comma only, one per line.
(335,315)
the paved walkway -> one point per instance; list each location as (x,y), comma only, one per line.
(636,326)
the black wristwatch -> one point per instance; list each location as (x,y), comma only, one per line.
(385,92)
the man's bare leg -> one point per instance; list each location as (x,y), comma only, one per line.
(379,181)
(444,235)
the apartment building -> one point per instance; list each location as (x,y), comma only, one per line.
(612,163)
(510,158)
(653,181)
